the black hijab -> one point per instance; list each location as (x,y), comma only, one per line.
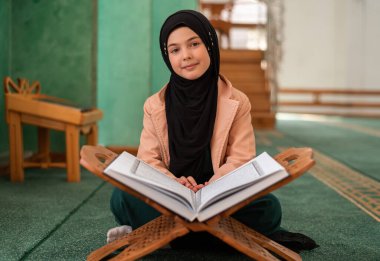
(191,104)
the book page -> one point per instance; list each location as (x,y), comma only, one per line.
(165,200)
(266,164)
(227,185)
(243,194)
(168,184)
(128,165)
(246,175)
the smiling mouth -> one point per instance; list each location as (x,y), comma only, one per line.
(190,66)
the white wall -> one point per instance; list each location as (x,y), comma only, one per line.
(372,44)
(331,44)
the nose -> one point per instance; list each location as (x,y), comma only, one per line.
(186,55)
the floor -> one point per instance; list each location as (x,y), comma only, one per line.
(337,202)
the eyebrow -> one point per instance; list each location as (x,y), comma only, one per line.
(188,40)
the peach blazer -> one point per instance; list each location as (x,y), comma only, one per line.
(232,143)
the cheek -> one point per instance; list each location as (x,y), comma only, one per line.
(173,62)
(205,56)
(206,60)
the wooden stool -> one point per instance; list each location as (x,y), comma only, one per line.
(25,105)
(162,230)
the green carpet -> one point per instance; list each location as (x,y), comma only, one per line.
(32,211)
(46,218)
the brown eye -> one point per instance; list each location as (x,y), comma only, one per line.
(174,51)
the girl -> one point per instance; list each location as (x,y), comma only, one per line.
(197,128)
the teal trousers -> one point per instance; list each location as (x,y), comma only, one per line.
(262,215)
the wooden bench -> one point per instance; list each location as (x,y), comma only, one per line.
(26,105)
(360,103)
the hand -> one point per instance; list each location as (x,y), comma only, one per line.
(197,187)
(190,183)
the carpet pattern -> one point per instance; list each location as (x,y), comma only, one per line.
(362,191)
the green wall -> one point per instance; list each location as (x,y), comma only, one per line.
(124,32)
(5,9)
(52,43)
(130,66)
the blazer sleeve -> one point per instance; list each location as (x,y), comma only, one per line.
(241,145)
(150,150)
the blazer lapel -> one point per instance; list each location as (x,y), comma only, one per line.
(160,125)
(225,115)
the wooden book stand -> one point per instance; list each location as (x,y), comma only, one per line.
(162,230)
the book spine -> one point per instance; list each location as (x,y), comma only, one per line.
(135,165)
(258,168)
(197,200)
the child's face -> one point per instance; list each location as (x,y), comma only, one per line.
(188,55)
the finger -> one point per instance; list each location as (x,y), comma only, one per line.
(199,186)
(192,180)
(193,188)
(185,182)
(181,181)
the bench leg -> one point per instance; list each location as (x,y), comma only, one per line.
(92,137)
(72,153)
(44,146)
(16,147)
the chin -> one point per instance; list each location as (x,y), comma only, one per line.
(191,76)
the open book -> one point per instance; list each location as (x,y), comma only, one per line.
(227,191)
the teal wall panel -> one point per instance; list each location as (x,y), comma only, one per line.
(5,10)
(130,67)
(52,42)
(161,10)
(124,76)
